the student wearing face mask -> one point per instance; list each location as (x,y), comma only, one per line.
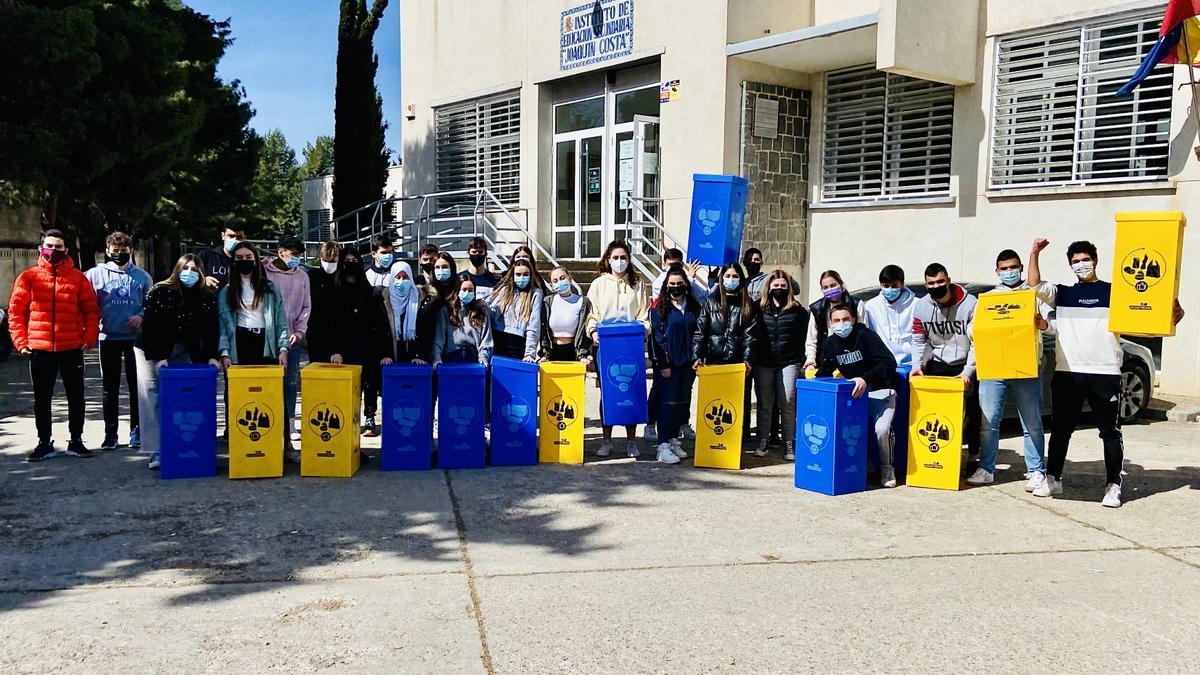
(407,308)
(121,288)
(833,292)
(253,322)
(525,253)
(673,323)
(383,257)
(617,294)
(756,279)
(778,355)
(890,314)
(429,253)
(218,261)
(321,328)
(564,321)
(861,357)
(180,327)
(1087,368)
(464,330)
(673,257)
(285,272)
(728,325)
(481,277)
(515,309)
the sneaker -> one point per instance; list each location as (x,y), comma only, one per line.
(665,455)
(605,449)
(761,450)
(632,451)
(651,434)
(154,464)
(292,455)
(677,448)
(887,476)
(110,442)
(1112,496)
(981,477)
(135,438)
(44,450)
(1051,487)
(774,442)
(688,433)
(790,453)
(369,429)
(76,448)
(295,436)
(1036,480)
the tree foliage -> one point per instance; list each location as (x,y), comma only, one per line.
(318,158)
(360,155)
(276,189)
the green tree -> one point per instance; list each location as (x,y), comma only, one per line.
(318,158)
(276,189)
(360,156)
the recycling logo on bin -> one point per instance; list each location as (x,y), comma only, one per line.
(563,411)
(816,433)
(622,372)
(327,420)
(187,420)
(515,412)
(253,421)
(719,416)
(1143,268)
(935,431)
(406,415)
(852,435)
(709,215)
(461,413)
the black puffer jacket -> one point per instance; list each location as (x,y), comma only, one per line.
(781,336)
(719,341)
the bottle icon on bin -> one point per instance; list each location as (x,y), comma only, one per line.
(709,216)
(816,433)
(719,416)
(327,421)
(254,421)
(935,431)
(515,413)
(461,415)
(562,412)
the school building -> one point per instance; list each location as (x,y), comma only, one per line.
(871,131)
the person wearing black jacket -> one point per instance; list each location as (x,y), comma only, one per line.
(833,293)
(861,356)
(672,328)
(179,326)
(778,355)
(219,260)
(320,277)
(728,323)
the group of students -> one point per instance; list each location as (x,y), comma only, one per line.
(227,306)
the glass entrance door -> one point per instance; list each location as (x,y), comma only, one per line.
(579,196)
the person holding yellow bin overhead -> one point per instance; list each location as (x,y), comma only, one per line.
(859,354)
(1088,366)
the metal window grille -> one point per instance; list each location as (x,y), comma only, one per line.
(479,145)
(316,224)
(886,136)
(1055,121)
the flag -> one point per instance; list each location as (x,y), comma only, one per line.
(1171,48)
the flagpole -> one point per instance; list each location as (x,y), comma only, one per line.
(1192,79)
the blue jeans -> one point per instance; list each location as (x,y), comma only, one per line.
(1028,396)
(291,385)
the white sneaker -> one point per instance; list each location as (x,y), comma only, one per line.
(1051,487)
(651,434)
(790,455)
(605,449)
(688,432)
(761,450)
(981,477)
(665,455)
(1036,480)
(632,451)
(677,448)
(155,464)
(1112,496)
(887,476)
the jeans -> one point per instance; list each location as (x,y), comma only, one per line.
(674,401)
(147,391)
(881,408)
(291,385)
(112,354)
(1068,391)
(776,387)
(1028,395)
(44,369)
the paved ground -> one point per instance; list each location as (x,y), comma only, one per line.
(615,566)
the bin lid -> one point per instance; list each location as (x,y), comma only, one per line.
(723,369)
(330,371)
(622,328)
(932,383)
(253,372)
(462,369)
(718,178)
(407,370)
(1151,216)
(564,368)
(186,371)
(835,385)
(517,365)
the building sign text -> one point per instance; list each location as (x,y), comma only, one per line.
(595,32)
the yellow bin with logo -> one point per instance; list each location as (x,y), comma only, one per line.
(329,434)
(1147,259)
(256,421)
(1007,342)
(935,428)
(560,424)
(719,416)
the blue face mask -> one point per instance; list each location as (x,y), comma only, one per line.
(231,244)
(384,259)
(1010,277)
(294,262)
(189,278)
(466,297)
(562,286)
(731,284)
(842,330)
(403,285)
(442,274)
(522,282)
(890,294)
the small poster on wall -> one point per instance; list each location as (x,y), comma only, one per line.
(668,91)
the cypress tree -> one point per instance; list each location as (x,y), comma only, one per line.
(360,159)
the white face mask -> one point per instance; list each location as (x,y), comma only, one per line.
(329,267)
(1083,269)
(620,265)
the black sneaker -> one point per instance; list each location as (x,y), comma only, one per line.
(369,429)
(76,448)
(110,442)
(44,450)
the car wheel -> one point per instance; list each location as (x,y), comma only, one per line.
(1135,391)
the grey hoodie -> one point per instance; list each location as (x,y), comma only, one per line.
(943,334)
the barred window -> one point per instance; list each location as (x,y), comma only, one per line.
(316,225)
(1056,121)
(478,144)
(886,136)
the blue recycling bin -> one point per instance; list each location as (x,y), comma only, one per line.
(462,410)
(718,216)
(514,412)
(187,416)
(831,437)
(621,367)
(407,441)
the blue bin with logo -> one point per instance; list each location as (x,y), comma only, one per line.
(514,412)
(462,411)
(718,216)
(621,368)
(187,416)
(832,437)
(407,440)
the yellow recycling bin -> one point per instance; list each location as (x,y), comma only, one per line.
(719,416)
(329,435)
(256,421)
(1007,341)
(560,424)
(1146,266)
(935,429)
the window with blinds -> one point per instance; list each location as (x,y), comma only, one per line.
(316,224)
(478,144)
(886,136)
(1056,121)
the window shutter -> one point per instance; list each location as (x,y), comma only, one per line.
(479,145)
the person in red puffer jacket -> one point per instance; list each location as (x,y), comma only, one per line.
(54,316)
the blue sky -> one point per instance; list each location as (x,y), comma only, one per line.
(285,54)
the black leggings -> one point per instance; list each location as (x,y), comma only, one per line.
(44,369)
(112,353)
(1068,391)
(509,346)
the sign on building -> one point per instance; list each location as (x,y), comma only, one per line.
(595,32)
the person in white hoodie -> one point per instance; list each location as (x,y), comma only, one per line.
(890,314)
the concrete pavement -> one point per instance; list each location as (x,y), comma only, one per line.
(616,566)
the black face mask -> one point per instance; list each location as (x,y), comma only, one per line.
(779,295)
(477,259)
(121,259)
(350,270)
(243,266)
(939,292)
(676,291)
(427,268)
(752,269)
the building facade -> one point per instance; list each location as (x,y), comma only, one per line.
(871,131)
